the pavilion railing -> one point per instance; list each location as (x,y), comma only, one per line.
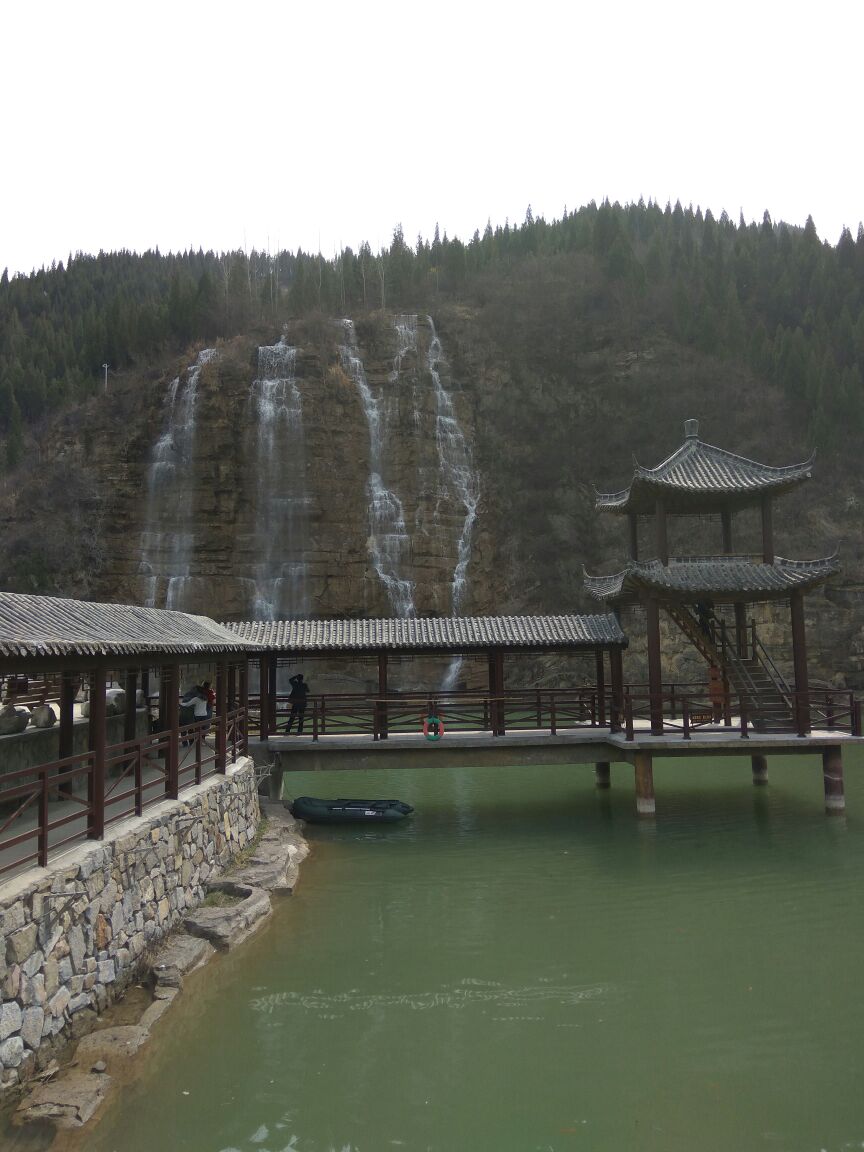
(46,807)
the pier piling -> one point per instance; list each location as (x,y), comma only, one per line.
(602,774)
(644,770)
(760,769)
(832,775)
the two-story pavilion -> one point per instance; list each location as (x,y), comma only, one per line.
(700,480)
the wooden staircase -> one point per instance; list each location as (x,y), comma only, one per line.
(767,698)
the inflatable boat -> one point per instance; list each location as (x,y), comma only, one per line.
(315,811)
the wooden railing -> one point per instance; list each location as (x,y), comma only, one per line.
(46,807)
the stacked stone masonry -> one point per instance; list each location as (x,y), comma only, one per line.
(74,934)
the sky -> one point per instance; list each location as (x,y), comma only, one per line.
(323,124)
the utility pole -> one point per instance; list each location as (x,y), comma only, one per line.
(105,366)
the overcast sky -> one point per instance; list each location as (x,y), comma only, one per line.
(278,125)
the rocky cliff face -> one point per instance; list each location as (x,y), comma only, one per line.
(395,464)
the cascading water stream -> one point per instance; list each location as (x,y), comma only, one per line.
(168,540)
(389,543)
(281,505)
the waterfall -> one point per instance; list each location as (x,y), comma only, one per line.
(458,483)
(281,505)
(458,477)
(168,540)
(388,542)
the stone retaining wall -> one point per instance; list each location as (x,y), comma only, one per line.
(74,934)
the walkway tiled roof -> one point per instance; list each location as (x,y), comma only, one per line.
(713,578)
(450,634)
(698,476)
(50,626)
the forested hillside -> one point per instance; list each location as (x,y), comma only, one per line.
(555,349)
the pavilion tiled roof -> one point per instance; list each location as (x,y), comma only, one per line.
(699,476)
(713,578)
(448,634)
(50,626)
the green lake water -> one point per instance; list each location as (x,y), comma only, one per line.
(526,966)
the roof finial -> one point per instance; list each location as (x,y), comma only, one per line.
(691,429)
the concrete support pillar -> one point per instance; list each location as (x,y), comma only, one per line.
(603,774)
(644,770)
(97,742)
(832,776)
(759,765)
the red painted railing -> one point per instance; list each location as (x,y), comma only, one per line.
(49,806)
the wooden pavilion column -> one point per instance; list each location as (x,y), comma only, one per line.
(130,722)
(601,689)
(832,776)
(382,695)
(221,714)
(97,741)
(662,533)
(726,522)
(767,530)
(634,535)
(616,670)
(170,678)
(68,691)
(799,662)
(655,669)
(244,704)
(741,629)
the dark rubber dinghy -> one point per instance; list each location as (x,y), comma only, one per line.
(315,811)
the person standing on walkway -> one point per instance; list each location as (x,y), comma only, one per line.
(297,698)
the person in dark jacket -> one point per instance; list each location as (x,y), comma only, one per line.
(297,698)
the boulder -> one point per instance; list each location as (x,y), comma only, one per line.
(13,720)
(43,716)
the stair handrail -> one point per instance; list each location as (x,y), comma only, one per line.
(763,657)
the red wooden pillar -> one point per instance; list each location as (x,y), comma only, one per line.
(68,691)
(832,776)
(244,706)
(264,695)
(170,678)
(130,722)
(655,669)
(741,629)
(644,771)
(97,741)
(616,669)
(601,689)
(799,661)
(221,714)
(382,695)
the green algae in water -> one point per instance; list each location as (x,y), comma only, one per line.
(525,965)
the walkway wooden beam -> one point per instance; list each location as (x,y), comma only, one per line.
(130,722)
(382,693)
(221,715)
(171,681)
(741,629)
(244,705)
(601,689)
(68,690)
(272,692)
(97,742)
(616,676)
